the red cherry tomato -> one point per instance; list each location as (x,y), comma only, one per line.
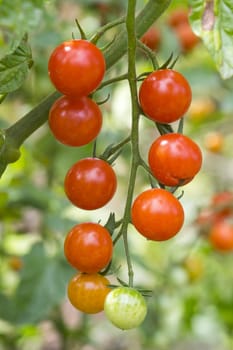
(174,159)
(220,208)
(90,183)
(75,121)
(222,204)
(187,38)
(87,292)
(152,38)
(76,67)
(88,247)
(165,96)
(178,17)
(157,214)
(222,198)
(179,22)
(221,235)
(206,217)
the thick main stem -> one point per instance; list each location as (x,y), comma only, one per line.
(149,14)
(130,25)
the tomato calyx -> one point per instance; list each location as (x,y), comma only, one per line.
(168,64)
(112,151)
(112,224)
(81,30)
(164,128)
(143,291)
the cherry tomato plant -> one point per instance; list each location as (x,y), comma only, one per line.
(77,70)
(160,96)
(164,96)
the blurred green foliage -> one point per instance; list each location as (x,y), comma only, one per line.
(191,305)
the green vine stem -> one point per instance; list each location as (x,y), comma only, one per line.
(106,27)
(16,134)
(135,157)
(148,15)
(151,55)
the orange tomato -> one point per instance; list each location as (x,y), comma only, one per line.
(214,141)
(87,292)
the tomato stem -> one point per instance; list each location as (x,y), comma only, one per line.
(132,79)
(113,80)
(94,39)
(149,53)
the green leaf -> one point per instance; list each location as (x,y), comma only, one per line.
(213,22)
(14,67)
(18,17)
(42,287)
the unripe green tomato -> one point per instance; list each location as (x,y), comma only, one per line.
(125,307)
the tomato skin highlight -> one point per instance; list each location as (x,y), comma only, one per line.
(125,307)
(76,67)
(157,214)
(90,183)
(174,159)
(75,121)
(165,96)
(87,292)
(88,247)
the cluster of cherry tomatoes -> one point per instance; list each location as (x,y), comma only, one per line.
(216,221)
(178,22)
(174,159)
(76,68)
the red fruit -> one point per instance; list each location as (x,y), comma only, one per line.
(152,38)
(165,96)
(157,214)
(221,235)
